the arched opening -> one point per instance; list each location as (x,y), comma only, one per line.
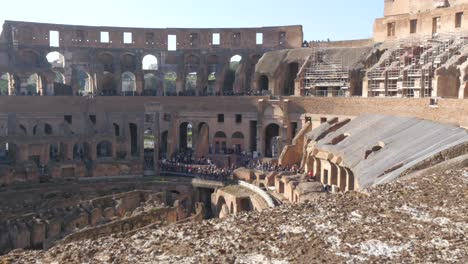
(128,84)
(238,142)
(134,140)
(264,84)
(48,129)
(104,149)
(170,88)
(272,141)
(151,85)
(222,208)
(220,143)
(251,71)
(230,78)
(84,83)
(108,85)
(116,130)
(351,181)
(107,61)
(291,75)
(150,63)
(80,152)
(32,85)
(56,59)
(211,87)
(212,68)
(128,62)
(203,140)
(281,187)
(185,136)
(59,78)
(54,152)
(23,130)
(4,84)
(191,84)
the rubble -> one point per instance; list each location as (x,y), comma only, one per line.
(420,219)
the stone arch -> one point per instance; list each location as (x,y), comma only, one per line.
(238,142)
(108,84)
(192,63)
(81,151)
(185,136)
(56,59)
(272,144)
(291,75)
(230,78)
(220,141)
(191,83)
(264,84)
(128,62)
(221,207)
(150,63)
(104,149)
(128,83)
(106,59)
(170,87)
(84,82)
(33,85)
(150,87)
(212,63)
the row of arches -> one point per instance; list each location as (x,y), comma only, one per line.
(39,129)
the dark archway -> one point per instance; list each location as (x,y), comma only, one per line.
(104,149)
(264,83)
(185,136)
(108,85)
(134,140)
(271,140)
(291,75)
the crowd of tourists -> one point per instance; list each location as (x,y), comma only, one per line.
(272,167)
(199,171)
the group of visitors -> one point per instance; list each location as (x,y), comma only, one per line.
(200,171)
(272,167)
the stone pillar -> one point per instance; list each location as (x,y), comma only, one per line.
(365,87)
(154,109)
(260,136)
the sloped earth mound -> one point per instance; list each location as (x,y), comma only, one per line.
(423,219)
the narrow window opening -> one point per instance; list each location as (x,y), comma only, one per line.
(238,119)
(172,42)
(458,19)
(216,39)
(259,39)
(127,38)
(105,37)
(413,26)
(54,38)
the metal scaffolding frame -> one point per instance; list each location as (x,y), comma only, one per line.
(410,67)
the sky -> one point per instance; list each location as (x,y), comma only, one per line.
(321,19)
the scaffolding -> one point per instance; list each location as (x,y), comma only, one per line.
(326,76)
(409,69)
